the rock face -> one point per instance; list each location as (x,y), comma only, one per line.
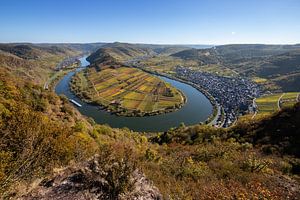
(86,181)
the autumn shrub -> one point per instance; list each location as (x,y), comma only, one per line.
(285,167)
(254,164)
(116,165)
(151,155)
(32,144)
(80,126)
(66,108)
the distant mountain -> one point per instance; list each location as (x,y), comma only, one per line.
(281,64)
(203,56)
(126,51)
(31,51)
(168,50)
(85,47)
(235,52)
(198,46)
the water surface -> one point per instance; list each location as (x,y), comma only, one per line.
(197,108)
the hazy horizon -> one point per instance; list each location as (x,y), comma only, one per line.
(179,44)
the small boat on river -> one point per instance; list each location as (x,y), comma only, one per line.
(75,102)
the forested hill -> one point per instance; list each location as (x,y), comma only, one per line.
(278,64)
(233,53)
(278,133)
(33,62)
(82,47)
(125,51)
(30,51)
(203,56)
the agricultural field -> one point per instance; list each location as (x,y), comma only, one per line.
(259,80)
(217,69)
(274,102)
(165,64)
(128,91)
(289,99)
(268,104)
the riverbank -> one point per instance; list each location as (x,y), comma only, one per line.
(63,68)
(55,78)
(214,116)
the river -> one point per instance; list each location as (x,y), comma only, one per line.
(197,108)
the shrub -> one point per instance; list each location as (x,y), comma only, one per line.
(253,164)
(116,167)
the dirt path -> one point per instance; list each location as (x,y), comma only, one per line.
(254,106)
(278,102)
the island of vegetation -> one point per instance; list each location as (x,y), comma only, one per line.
(126,91)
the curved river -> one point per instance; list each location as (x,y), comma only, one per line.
(197,108)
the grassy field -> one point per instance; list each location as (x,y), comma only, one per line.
(218,69)
(259,80)
(165,64)
(128,91)
(274,102)
(268,104)
(289,99)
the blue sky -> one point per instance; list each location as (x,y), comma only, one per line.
(151,21)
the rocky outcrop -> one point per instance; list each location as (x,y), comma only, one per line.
(89,181)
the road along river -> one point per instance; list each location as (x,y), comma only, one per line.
(197,108)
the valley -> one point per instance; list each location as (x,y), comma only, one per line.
(241,65)
(246,155)
(230,90)
(150,100)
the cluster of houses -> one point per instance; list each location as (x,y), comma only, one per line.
(233,94)
(68,62)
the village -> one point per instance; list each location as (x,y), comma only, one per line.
(233,94)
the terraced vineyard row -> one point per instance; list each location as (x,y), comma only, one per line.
(130,91)
(289,99)
(274,102)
